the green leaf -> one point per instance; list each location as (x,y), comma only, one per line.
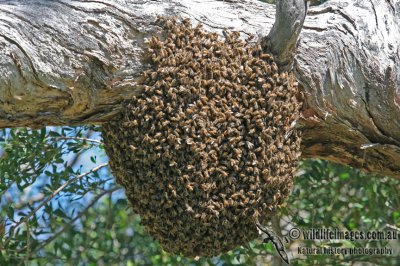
(10,213)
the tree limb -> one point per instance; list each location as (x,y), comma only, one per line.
(74,62)
(282,39)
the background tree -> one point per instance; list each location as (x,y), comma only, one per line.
(87,222)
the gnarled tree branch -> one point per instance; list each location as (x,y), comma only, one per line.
(73,62)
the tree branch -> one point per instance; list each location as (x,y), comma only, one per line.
(75,62)
(282,39)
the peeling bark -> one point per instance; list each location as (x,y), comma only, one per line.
(74,62)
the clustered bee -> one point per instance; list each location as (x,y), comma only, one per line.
(209,147)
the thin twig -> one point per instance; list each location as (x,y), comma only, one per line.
(393,227)
(28,243)
(78,155)
(78,138)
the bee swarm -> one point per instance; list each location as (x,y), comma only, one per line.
(209,146)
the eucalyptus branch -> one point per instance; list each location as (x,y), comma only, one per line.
(28,243)
(81,139)
(393,227)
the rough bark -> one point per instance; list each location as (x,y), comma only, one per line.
(348,62)
(74,62)
(282,40)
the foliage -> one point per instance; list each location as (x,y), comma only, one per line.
(60,205)
(35,166)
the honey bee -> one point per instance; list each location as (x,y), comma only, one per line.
(133,148)
(246,201)
(249,145)
(274,67)
(189,186)
(255,215)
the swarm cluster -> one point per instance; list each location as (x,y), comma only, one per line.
(209,146)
